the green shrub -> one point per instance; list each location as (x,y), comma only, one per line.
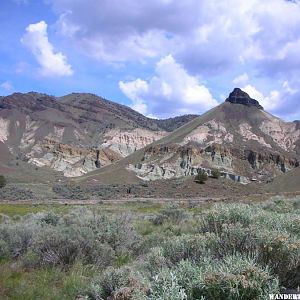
(172,214)
(159,219)
(281,253)
(70,191)
(215,174)
(234,239)
(236,278)
(119,283)
(4,249)
(201,177)
(10,192)
(50,218)
(185,247)
(30,259)
(232,251)
(95,239)
(154,261)
(16,238)
(279,205)
(2,181)
(165,287)
(151,241)
(214,219)
(189,276)
(55,240)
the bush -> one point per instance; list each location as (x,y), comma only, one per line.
(70,191)
(236,278)
(269,237)
(121,283)
(281,253)
(165,287)
(2,181)
(189,276)
(55,240)
(234,239)
(153,262)
(185,247)
(214,219)
(16,238)
(172,214)
(215,174)
(201,177)
(50,218)
(10,192)
(232,251)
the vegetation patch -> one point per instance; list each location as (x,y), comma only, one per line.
(232,251)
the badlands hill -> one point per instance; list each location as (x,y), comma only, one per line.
(289,182)
(238,137)
(74,134)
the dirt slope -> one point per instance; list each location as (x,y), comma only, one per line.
(289,182)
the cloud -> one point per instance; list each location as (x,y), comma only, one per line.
(7,86)
(240,80)
(52,63)
(215,36)
(135,90)
(284,101)
(171,91)
(208,38)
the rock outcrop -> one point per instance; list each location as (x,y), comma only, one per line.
(237,96)
(72,161)
(237,164)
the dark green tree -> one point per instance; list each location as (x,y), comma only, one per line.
(215,174)
(201,177)
(2,181)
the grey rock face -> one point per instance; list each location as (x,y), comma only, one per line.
(237,96)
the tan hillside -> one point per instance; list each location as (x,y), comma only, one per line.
(289,182)
(238,137)
(74,134)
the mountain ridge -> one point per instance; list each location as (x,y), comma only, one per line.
(80,134)
(71,133)
(241,140)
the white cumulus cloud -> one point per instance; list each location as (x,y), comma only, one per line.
(171,91)
(7,86)
(241,80)
(279,101)
(211,38)
(206,35)
(135,90)
(52,63)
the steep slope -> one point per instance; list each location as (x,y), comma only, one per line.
(74,134)
(238,137)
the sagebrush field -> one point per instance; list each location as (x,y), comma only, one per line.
(146,251)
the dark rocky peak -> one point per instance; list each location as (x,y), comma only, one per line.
(297,122)
(28,102)
(237,96)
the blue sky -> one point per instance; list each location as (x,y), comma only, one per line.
(161,57)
